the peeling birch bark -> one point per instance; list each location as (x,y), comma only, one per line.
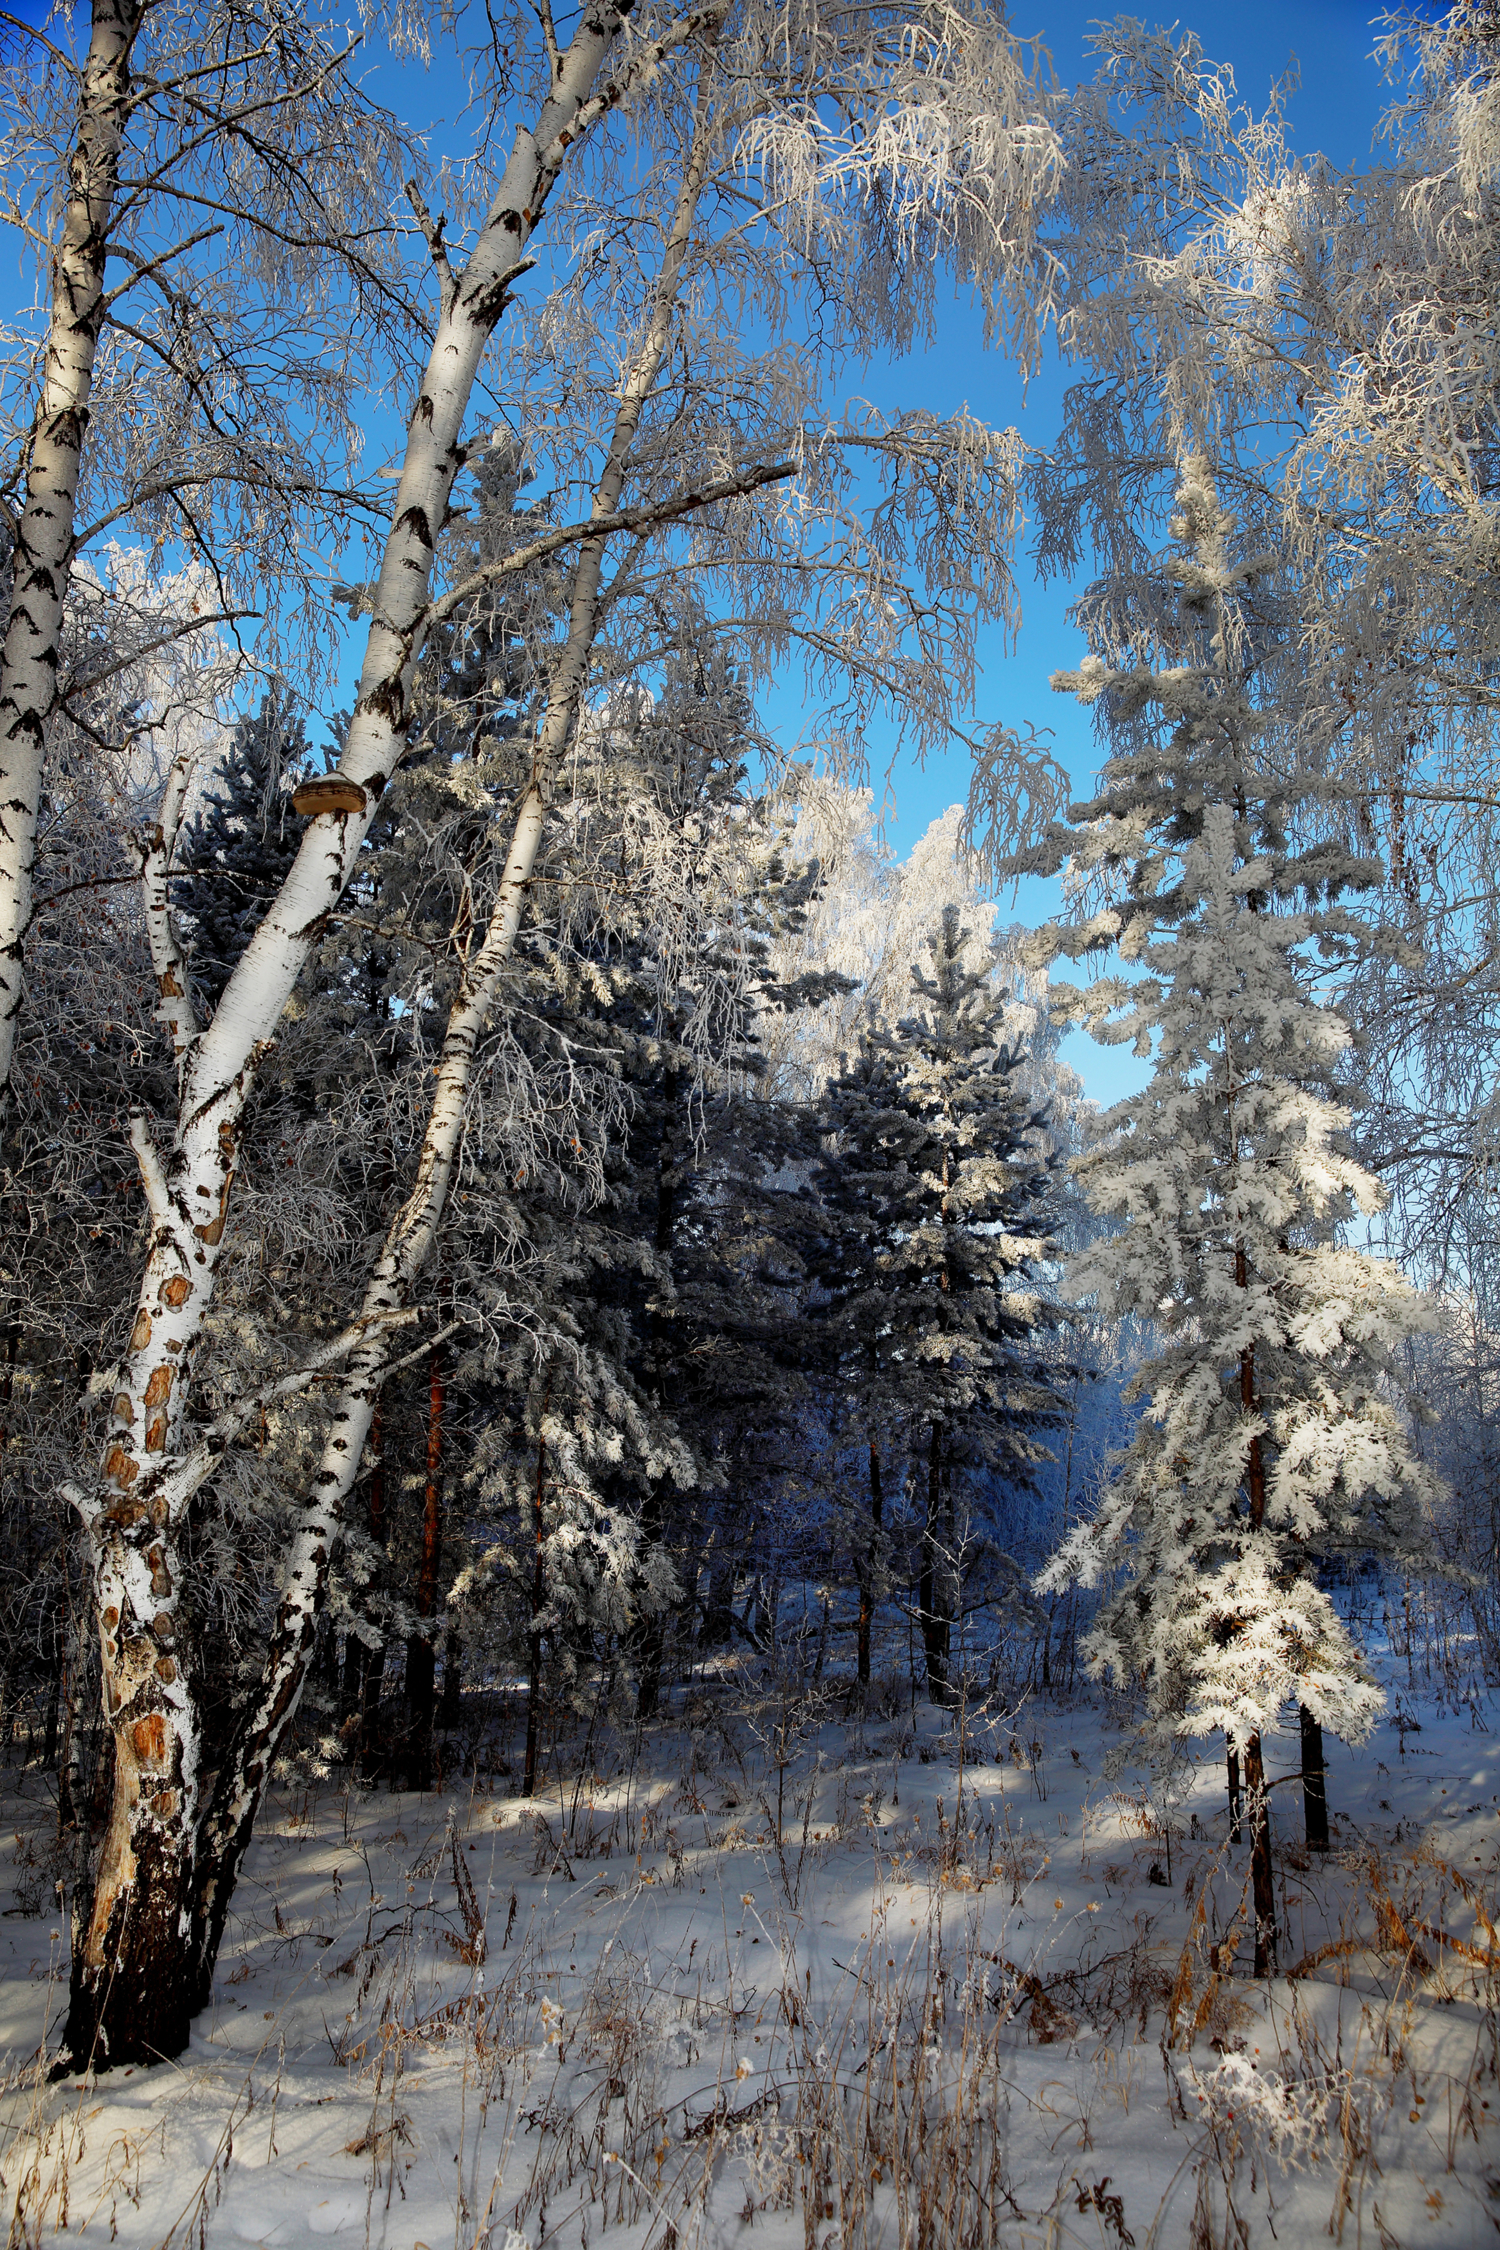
(163,1867)
(43,560)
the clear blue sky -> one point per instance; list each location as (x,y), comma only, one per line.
(1335,109)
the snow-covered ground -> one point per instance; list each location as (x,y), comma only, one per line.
(950,2007)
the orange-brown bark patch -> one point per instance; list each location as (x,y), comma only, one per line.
(149,1739)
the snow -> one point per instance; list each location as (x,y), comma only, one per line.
(668,2021)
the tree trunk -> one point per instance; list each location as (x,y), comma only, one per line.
(53,1647)
(651,1631)
(42,563)
(134,1991)
(871,1566)
(451,1709)
(154,1838)
(717,1630)
(1262,1874)
(421,1649)
(538,1604)
(372,1663)
(80,1704)
(1236,1799)
(935,1624)
(1314,1783)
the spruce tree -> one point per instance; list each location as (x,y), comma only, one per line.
(941,1165)
(243,840)
(1273,1437)
(863,1187)
(655,1300)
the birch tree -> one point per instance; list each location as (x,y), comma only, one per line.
(844,190)
(43,530)
(228,171)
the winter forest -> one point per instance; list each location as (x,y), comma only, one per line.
(748,1316)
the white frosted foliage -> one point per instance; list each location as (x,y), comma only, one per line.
(1274,1437)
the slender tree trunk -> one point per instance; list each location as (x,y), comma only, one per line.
(42,564)
(8,1379)
(934,1624)
(135,1982)
(450,1710)
(1236,1798)
(538,1604)
(372,1667)
(1314,1782)
(72,1807)
(421,1649)
(871,1565)
(1262,1874)
(651,1633)
(717,1630)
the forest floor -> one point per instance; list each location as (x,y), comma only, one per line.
(952,2006)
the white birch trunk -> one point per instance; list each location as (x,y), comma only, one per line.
(135,1975)
(30,658)
(412,1233)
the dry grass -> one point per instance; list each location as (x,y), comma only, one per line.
(975,2076)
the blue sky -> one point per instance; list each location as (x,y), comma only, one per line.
(1336,111)
(1335,108)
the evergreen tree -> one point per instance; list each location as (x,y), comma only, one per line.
(245,837)
(713,1171)
(863,1189)
(1273,1438)
(941,1166)
(564,1470)
(651,1304)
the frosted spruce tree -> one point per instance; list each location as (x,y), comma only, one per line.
(242,841)
(865,1184)
(942,1165)
(1273,1438)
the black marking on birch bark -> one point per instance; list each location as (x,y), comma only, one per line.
(387,700)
